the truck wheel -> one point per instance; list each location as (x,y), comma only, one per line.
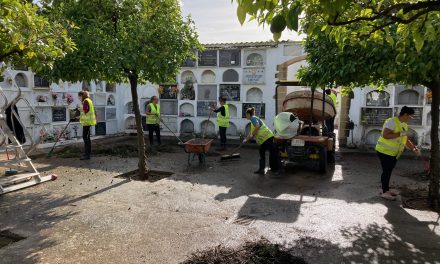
(323,160)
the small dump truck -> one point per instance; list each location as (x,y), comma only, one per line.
(300,131)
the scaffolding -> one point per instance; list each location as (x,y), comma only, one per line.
(24,172)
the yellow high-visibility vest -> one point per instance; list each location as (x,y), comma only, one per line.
(89,118)
(223,121)
(263,134)
(153,119)
(396,146)
(334,98)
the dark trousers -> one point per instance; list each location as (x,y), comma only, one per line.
(87,141)
(223,136)
(388,163)
(330,124)
(151,129)
(268,145)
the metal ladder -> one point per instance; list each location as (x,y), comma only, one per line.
(27,174)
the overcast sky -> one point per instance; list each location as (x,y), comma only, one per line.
(216,21)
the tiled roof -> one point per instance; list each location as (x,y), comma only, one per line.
(246,44)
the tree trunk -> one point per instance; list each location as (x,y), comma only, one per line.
(434,196)
(143,166)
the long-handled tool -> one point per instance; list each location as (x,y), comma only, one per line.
(180,141)
(206,124)
(424,161)
(77,114)
(58,139)
(232,154)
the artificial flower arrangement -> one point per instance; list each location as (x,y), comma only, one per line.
(41,99)
(69,98)
(428,96)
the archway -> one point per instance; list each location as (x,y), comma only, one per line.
(186,126)
(208,76)
(21,80)
(254,59)
(408,97)
(254,95)
(230,76)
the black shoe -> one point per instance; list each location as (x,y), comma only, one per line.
(259,172)
(85,158)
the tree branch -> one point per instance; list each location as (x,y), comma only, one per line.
(389,12)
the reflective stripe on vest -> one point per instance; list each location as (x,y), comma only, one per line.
(89,118)
(223,121)
(153,119)
(396,146)
(263,134)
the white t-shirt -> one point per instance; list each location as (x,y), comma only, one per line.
(390,124)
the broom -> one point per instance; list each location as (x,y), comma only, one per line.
(232,155)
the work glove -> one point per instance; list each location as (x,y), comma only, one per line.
(403,133)
(245,141)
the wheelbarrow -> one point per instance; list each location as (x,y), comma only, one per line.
(197,147)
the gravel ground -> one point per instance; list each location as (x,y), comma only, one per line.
(89,216)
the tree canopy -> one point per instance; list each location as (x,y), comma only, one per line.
(135,41)
(28,38)
(149,38)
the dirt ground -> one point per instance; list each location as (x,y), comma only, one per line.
(89,216)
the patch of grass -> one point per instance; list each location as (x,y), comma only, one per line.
(260,252)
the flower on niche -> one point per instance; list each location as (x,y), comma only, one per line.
(161,89)
(54,96)
(69,98)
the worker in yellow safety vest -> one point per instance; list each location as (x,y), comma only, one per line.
(153,119)
(264,138)
(87,119)
(391,144)
(222,120)
(330,123)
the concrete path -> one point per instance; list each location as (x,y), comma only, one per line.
(88,216)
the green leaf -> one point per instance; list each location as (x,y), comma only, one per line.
(241,14)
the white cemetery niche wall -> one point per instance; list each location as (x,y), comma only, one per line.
(129,108)
(230,76)
(254,95)
(208,128)
(247,129)
(208,76)
(130,123)
(372,137)
(255,58)
(168,107)
(111,100)
(429,119)
(232,111)
(413,136)
(409,95)
(187,76)
(378,98)
(100,99)
(232,130)
(186,126)
(207,92)
(21,80)
(231,92)
(186,110)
